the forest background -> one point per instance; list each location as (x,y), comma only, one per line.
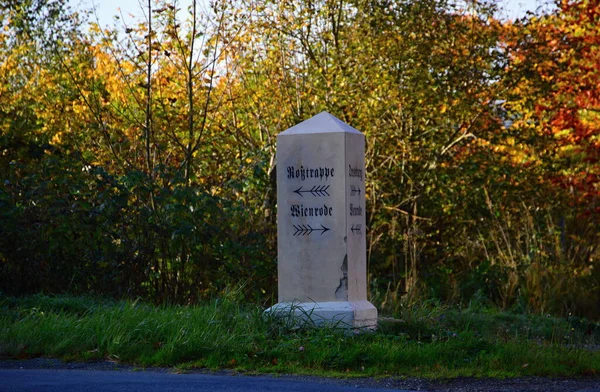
(138,161)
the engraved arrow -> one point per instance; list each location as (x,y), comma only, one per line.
(356,229)
(302,230)
(354,190)
(317,190)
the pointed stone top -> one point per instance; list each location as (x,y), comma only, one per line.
(321,123)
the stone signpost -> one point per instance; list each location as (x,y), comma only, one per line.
(321,224)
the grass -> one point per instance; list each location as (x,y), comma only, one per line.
(429,341)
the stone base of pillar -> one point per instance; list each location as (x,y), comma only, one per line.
(357,315)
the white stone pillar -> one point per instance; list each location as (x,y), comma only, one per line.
(321,230)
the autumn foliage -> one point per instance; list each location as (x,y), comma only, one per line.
(138,159)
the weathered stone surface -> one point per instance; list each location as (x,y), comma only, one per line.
(321,222)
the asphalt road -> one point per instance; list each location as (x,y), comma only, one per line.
(55,380)
(46,374)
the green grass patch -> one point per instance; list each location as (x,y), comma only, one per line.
(427,342)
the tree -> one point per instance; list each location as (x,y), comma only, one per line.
(548,146)
(416,77)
